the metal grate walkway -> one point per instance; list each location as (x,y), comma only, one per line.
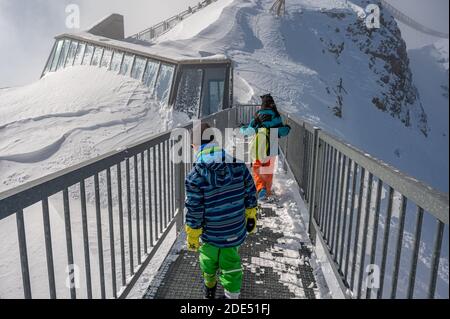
(265,270)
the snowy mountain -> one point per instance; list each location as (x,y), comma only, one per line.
(320,61)
(70,116)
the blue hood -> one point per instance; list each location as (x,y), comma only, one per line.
(213,164)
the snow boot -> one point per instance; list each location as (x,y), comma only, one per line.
(231,295)
(210,293)
(262,195)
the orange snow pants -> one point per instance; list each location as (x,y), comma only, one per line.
(263,174)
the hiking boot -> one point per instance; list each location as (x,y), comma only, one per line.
(210,293)
(262,195)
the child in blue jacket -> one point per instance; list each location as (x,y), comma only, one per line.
(221,209)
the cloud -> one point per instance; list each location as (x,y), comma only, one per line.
(28,28)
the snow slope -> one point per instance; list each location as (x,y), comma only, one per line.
(64,119)
(319,62)
(70,116)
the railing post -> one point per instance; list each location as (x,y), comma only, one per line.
(179,193)
(313,185)
(285,163)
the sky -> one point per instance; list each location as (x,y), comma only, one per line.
(30,26)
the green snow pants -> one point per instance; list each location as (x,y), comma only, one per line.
(227,260)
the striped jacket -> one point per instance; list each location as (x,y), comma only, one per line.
(218,190)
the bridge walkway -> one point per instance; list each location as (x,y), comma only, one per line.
(277,260)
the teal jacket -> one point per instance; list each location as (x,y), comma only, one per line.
(274,121)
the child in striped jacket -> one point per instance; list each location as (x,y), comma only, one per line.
(221,209)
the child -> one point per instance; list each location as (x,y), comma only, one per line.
(221,208)
(265,119)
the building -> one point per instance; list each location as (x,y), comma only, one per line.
(195,83)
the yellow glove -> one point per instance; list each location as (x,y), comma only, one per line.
(193,238)
(250,215)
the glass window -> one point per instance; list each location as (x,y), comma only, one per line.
(126,64)
(150,74)
(138,68)
(88,52)
(189,92)
(50,60)
(63,55)
(57,54)
(71,54)
(215,96)
(106,59)
(116,61)
(79,55)
(164,83)
(97,56)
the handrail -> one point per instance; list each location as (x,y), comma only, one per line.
(166,25)
(327,169)
(411,22)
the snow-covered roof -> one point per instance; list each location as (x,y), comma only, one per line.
(171,52)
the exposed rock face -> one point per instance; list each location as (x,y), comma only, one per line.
(388,59)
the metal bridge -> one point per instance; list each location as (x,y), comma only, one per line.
(400,16)
(159,29)
(360,212)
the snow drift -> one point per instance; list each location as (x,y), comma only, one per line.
(70,116)
(321,62)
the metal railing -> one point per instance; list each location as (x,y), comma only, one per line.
(359,209)
(159,29)
(352,197)
(411,22)
(138,189)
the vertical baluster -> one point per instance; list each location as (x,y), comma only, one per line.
(376,221)
(155,173)
(170,165)
(144,204)
(111,234)
(339,209)
(415,256)
(68,229)
(387,228)
(358,224)
(398,251)
(164,183)
(121,228)
(323,195)
(350,226)
(150,210)
(23,254)
(345,213)
(48,248)
(329,205)
(435,259)
(320,178)
(130,227)
(160,195)
(365,227)
(99,236)
(335,206)
(138,221)
(87,256)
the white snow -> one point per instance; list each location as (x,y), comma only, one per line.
(286,57)
(82,112)
(196,23)
(70,116)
